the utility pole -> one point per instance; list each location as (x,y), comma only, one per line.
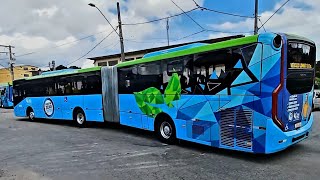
(120,33)
(11,63)
(168,31)
(11,60)
(256,29)
(53,65)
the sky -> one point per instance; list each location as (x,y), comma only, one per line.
(65,31)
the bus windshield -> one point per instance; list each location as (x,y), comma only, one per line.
(301,60)
(300,55)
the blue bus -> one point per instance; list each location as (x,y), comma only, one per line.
(6,95)
(251,94)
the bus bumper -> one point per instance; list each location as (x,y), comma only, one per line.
(277,140)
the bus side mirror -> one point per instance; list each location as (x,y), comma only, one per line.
(277,42)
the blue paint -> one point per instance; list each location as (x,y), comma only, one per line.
(63,110)
(7,98)
(238,65)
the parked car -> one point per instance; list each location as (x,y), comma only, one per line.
(316,97)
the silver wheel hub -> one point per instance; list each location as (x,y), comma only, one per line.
(166,130)
(80,118)
(31,115)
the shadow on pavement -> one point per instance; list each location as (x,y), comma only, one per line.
(258,158)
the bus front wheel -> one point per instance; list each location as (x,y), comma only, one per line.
(165,130)
(80,118)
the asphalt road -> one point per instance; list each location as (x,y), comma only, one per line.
(58,150)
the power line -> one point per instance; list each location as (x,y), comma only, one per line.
(274,13)
(225,13)
(4,59)
(110,45)
(57,46)
(196,4)
(91,49)
(187,14)
(114,29)
(2,65)
(160,19)
(191,35)
(187,36)
(262,26)
(6,68)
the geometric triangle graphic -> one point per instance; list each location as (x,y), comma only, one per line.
(202,86)
(256,70)
(212,85)
(256,57)
(205,113)
(242,78)
(192,101)
(190,112)
(238,65)
(214,75)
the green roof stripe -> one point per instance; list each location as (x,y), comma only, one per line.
(209,47)
(97,68)
(65,73)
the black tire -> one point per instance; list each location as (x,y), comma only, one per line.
(165,130)
(79,118)
(30,114)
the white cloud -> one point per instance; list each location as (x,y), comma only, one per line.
(46,12)
(67,42)
(39,26)
(301,17)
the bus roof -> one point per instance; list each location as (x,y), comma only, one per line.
(193,50)
(296,37)
(62,72)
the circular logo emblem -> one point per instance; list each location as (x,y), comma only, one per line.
(48,107)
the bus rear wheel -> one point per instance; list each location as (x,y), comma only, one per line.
(80,118)
(31,115)
(165,130)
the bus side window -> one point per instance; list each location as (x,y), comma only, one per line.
(210,70)
(126,78)
(149,75)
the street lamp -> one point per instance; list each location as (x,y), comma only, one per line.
(119,26)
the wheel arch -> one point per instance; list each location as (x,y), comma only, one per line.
(159,117)
(28,110)
(75,110)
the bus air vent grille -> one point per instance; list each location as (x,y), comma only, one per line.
(244,128)
(227,127)
(236,128)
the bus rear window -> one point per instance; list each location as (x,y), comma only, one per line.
(300,55)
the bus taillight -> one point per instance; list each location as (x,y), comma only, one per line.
(275,94)
(275,118)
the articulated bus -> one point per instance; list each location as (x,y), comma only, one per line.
(6,95)
(251,94)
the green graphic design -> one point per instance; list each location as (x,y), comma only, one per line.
(153,95)
(173,90)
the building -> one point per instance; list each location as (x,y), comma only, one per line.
(19,72)
(113,59)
